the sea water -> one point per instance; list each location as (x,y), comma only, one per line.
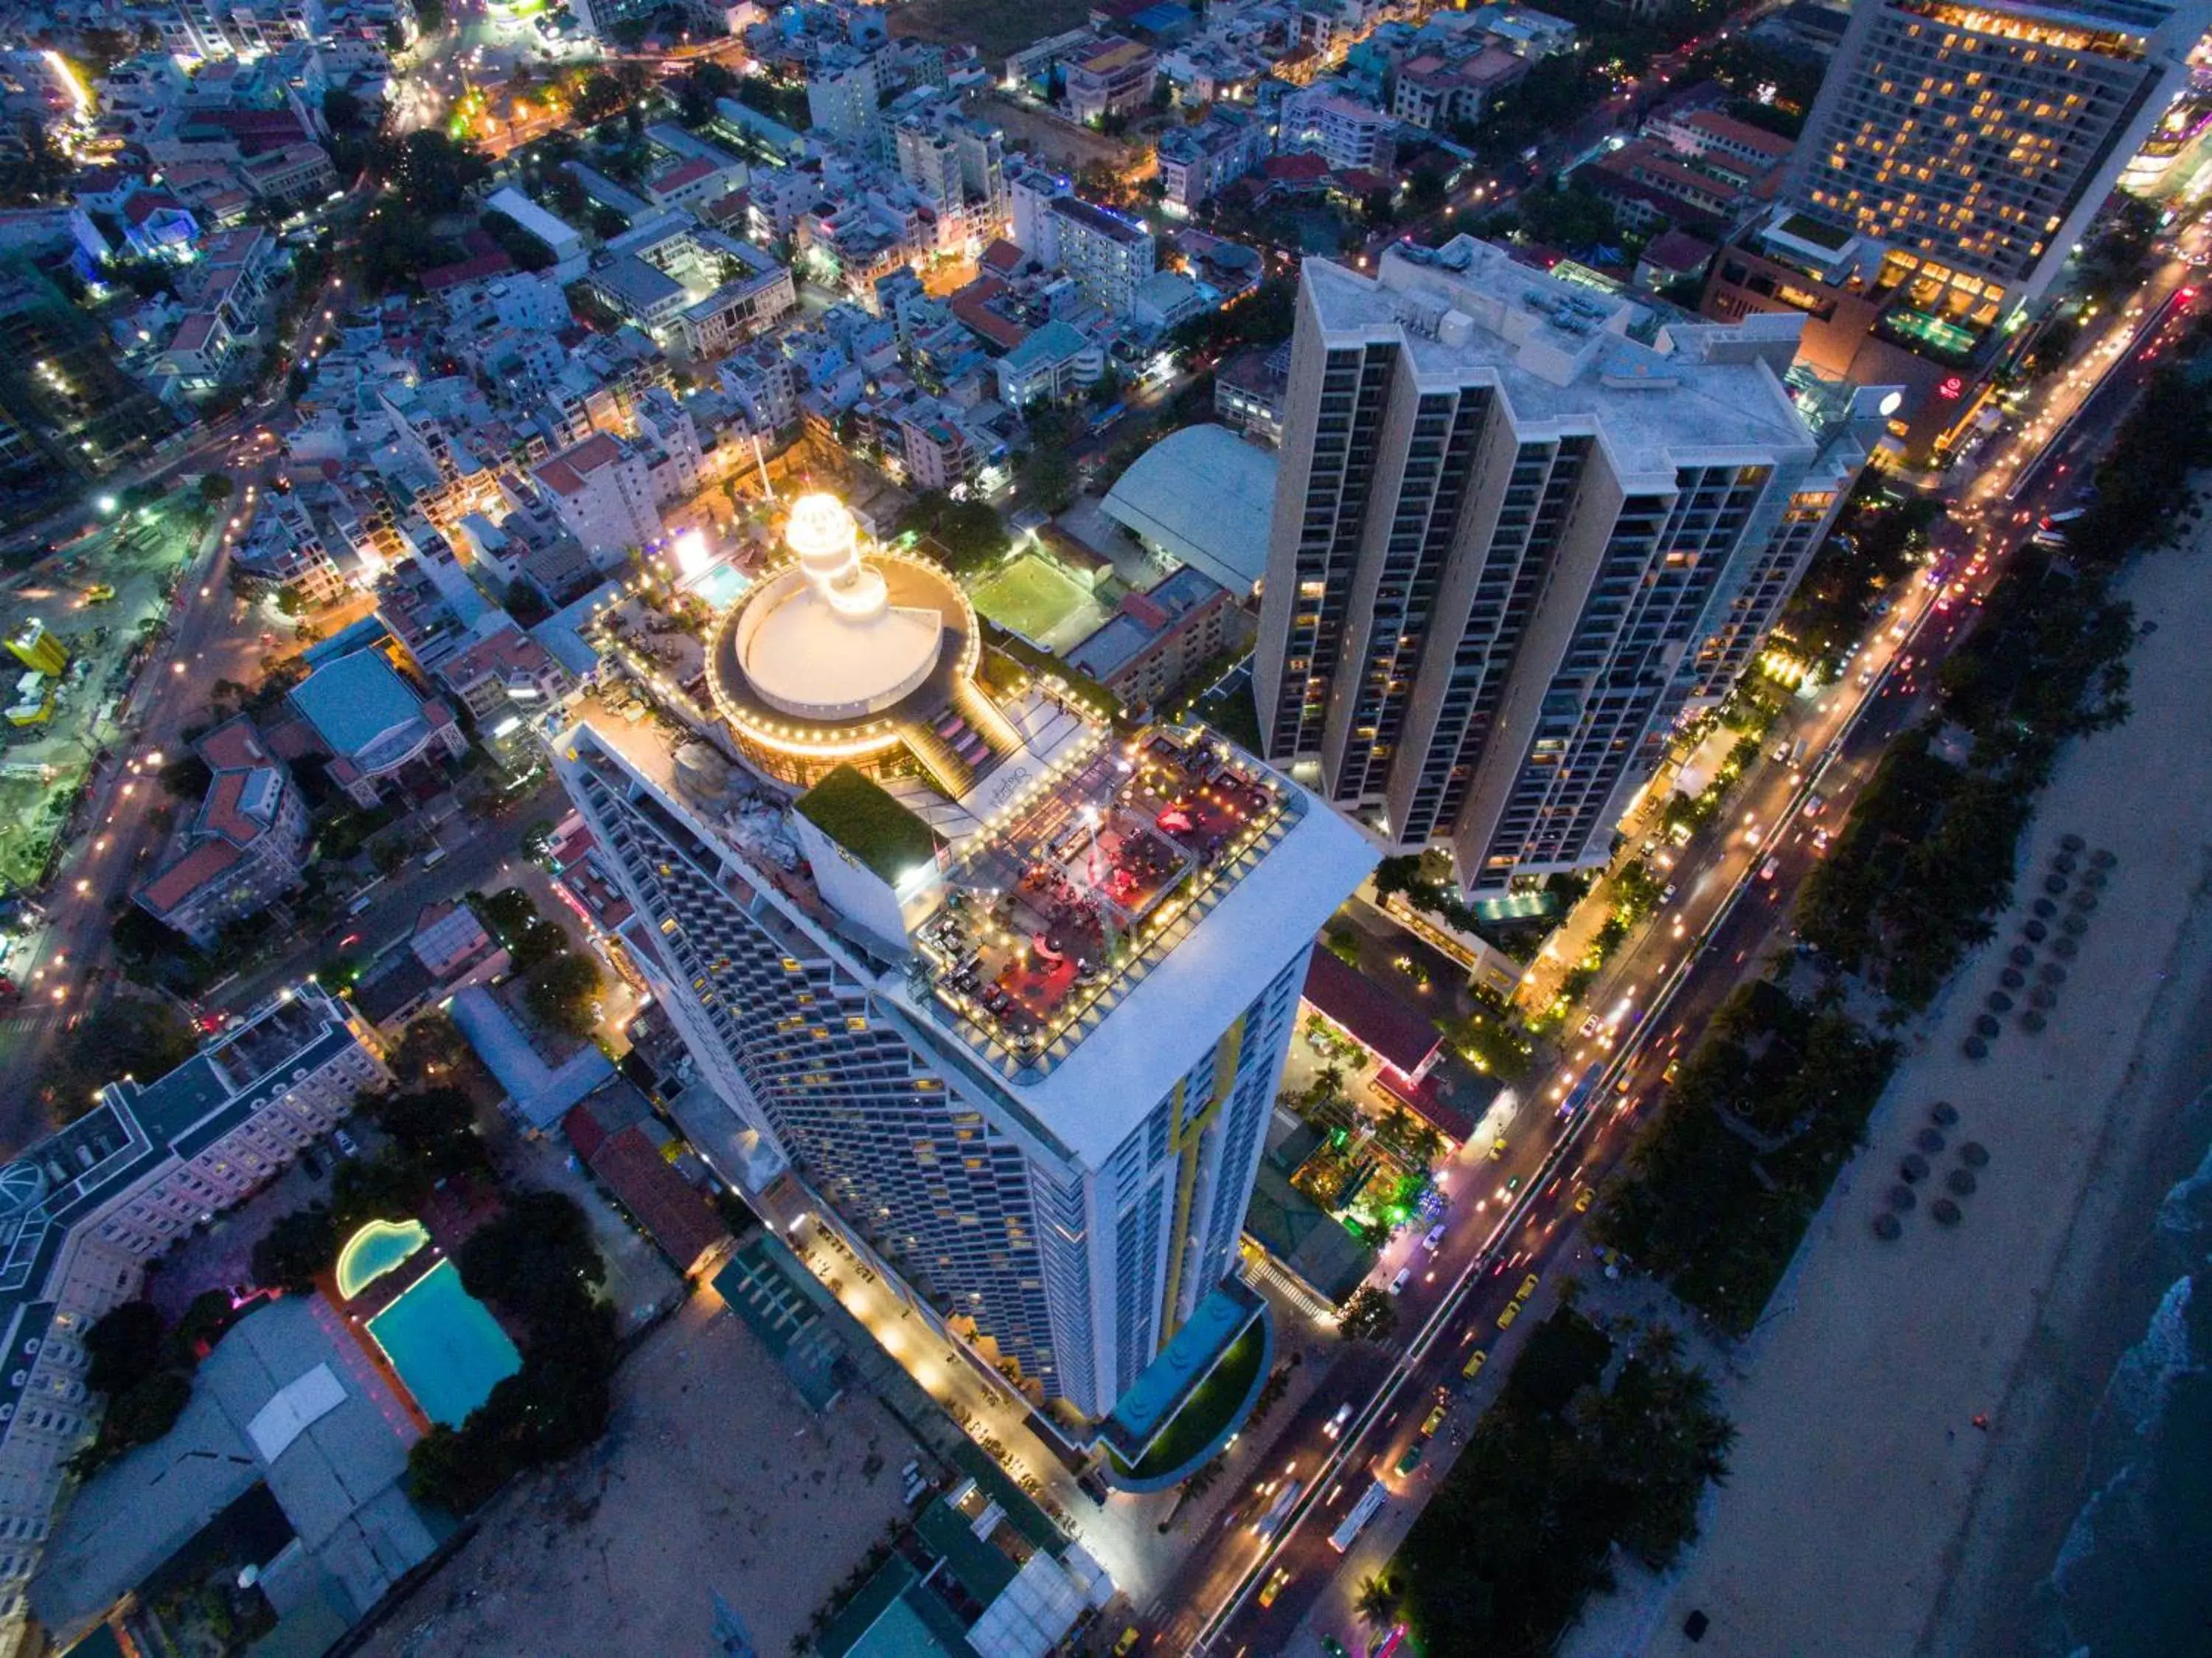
(2133,1578)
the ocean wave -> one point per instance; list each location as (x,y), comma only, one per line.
(2184,1215)
(2135,1396)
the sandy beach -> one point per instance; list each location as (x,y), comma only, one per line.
(1870,1510)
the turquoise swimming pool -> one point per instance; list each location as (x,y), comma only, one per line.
(375,1250)
(444,1345)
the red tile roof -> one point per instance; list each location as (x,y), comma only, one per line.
(1398,1034)
(657,1198)
(207,861)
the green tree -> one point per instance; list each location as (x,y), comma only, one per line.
(1367,1314)
(432,1046)
(535,1258)
(538,942)
(123,1346)
(298,1247)
(215,488)
(1377,1603)
(436,1126)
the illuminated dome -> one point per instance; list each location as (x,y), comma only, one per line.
(831,654)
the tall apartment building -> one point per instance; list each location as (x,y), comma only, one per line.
(601,493)
(1345,132)
(84,1211)
(1107,255)
(1196,162)
(1516,533)
(843,88)
(959,164)
(1015,1016)
(1976,142)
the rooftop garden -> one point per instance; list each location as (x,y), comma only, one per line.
(1213,1406)
(854,811)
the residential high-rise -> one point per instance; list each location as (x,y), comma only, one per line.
(1518,530)
(1011,995)
(1975,141)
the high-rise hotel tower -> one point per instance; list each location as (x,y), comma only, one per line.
(1520,528)
(1010,992)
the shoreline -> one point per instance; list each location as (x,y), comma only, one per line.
(1917,1416)
(2107,1297)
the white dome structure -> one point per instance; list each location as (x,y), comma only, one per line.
(833,651)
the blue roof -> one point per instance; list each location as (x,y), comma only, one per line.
(540,1091)
(355,700)
(1050,343)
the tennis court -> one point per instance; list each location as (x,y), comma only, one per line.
(1037,601)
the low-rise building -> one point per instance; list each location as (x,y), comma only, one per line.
(1112,78)
(1196,162)
(84,1211)
(1052,365)
(1324,119)
(372,723)
(245,845)
(447,950)
(1150,648)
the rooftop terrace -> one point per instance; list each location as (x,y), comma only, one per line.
(1084,881)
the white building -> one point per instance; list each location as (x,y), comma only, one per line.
(1049,1152)
(1347,133)
(601,494)
(85,1211)
(1108,256)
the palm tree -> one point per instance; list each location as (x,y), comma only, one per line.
(1378,1599)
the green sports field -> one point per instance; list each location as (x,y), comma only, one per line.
(1037,601)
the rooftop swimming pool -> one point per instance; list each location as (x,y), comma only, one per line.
(446,1347)
(720,585)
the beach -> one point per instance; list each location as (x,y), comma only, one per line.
(1925,1420)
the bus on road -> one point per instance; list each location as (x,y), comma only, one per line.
(1369,1504)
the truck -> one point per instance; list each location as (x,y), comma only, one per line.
(1369,1504)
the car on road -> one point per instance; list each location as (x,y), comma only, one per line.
(1528,1286)
(1434,1420)
(1411,1460)
(1512,1312)
(1274,1586)
(1768,870)
(1589,1026)
(1404,1276)
(347,1145)
(1334,1425)
(1476,1360)
(1436,1236)
(1127,1643)
(1496,1149)
(1584,1198)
